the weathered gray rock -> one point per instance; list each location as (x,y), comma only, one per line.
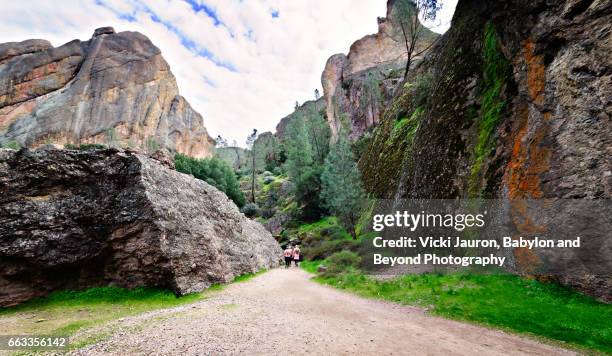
(303,110)
(74,219)
(236,157)
(115,89)
(12,49)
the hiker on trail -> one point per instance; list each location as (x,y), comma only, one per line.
(296,255)
(288,256)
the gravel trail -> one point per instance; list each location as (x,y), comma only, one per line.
(284,312)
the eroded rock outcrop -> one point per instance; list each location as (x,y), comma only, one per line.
(77,219)
(513,102)
(358,86)
(304,110)
(115,89)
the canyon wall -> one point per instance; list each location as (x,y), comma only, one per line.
(513,102)
(114,89)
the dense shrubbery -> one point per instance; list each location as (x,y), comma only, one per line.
(251,210)
(14,145)
(213,171)
(85,146)
(342,261)
(323,238)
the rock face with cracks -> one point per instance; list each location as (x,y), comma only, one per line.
(74,219)
(114,89)
(511,103)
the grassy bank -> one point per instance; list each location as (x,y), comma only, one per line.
(66,312)
(500,300)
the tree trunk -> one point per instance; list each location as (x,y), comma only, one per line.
(253,177)
(407,68)
(352,228)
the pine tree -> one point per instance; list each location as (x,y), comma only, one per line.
(299,150)
(318,133)
(342,191)
(250,142)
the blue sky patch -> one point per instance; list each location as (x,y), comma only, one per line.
(187,42)
(196,6)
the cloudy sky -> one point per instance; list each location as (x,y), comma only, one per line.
(241,63)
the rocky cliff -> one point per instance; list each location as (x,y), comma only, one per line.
(304,110)
(115,89)
(513,102)
(236,157)
(358,86)
(78,219)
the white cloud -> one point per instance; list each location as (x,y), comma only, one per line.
(274,60)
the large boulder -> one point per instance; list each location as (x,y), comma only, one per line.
(115,88)
(75,219)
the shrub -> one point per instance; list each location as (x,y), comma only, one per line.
(320,250)
(268,213)
(268,179)
(14,145)
(85,146)
(152,145)
(251,210)
(213,171)
(341,261)
(91,147)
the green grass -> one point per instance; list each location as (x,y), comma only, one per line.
(66,312)
(248,276)
(325,224)
(311,266)
(500,300)
(322,238)
(134,298)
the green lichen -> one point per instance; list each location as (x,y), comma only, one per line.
(406,127)
(495,74)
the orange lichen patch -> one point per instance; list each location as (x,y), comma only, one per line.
(536,76)
(522,220)
(526,260)
(530,158)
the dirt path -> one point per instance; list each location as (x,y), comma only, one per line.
(283,312)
